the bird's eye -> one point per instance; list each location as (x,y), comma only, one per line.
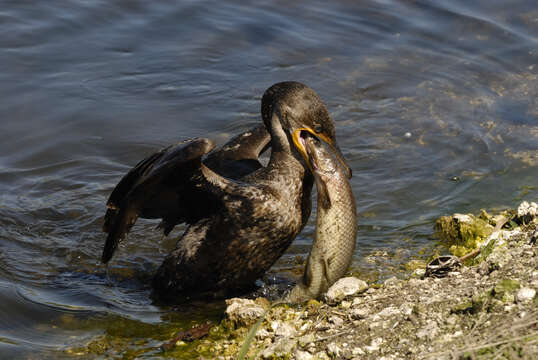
(318,128)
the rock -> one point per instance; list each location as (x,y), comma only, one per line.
(334,350)
(526,209)
(498,259)
(322,355)
(283,329)
(336,320)
(504,290)
(389,312)
(406,309)
(281,348)
(392,281)
(419,272)
(344,287)
(429,331)
(463,232)
(374,345)
(525,295)
(360,313)
(303,355)
(306,339)
(263,334)
(243,312)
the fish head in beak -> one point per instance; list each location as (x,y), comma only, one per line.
(299,135)
(298,111)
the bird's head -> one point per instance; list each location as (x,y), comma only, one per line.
(300,112)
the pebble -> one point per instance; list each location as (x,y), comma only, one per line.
(406,309)
(360,313)
(392,281)
(283,329)
(336,320)
(303,355)
(322,355)
(429,331)
(357,301)
(374,345)
(334,350)
(525,295)
(419,272)
(306,340)
(279,348)
(262,334)
(527,209)
(416,282)
(344,287)
(389,312)
(452,320)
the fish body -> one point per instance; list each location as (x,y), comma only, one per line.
(336,225)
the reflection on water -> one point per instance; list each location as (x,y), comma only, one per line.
(422,92)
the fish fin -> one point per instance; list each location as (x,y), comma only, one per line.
(324,200)
(307,276)
(325,263)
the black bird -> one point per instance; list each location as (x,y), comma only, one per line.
(242,216)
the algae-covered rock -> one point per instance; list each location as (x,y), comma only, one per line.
(462,232)
(505,290)
(280,349)
(243,312)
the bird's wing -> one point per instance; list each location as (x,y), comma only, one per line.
(171,184)
(239,156)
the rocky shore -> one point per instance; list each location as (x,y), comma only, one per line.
(486,308)
(478,303)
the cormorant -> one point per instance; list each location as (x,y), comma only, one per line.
(241,216)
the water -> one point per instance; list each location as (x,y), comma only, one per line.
(422,92)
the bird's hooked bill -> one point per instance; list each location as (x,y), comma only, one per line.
(299,144)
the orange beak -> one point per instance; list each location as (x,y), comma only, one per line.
(296,135)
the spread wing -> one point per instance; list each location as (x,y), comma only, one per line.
(175,186)
(169,184)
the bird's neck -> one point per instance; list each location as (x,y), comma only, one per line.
(279,138)
(285,159)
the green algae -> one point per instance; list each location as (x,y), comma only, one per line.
(415,264)
(463,233)
(505,289)
(122,337)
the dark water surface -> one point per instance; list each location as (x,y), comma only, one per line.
(421,92)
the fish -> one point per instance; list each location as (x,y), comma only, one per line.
(336,225)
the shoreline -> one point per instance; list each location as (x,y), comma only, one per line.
(485,309)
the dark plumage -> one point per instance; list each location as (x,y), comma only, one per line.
(241,216)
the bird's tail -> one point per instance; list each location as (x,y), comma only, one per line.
(117,224)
